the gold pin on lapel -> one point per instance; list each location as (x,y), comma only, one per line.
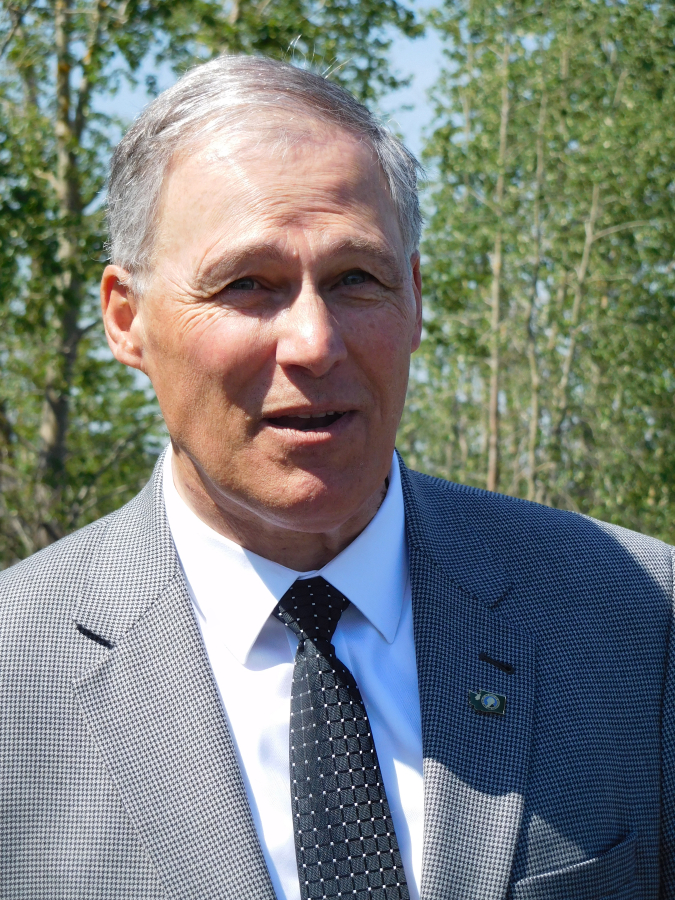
(488,702)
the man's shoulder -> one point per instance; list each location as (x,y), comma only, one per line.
(50,581)
(56,567)
(528,537)
(515,517)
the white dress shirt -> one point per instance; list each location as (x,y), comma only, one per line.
(251,653)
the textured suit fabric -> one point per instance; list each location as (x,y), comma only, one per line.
(119,779)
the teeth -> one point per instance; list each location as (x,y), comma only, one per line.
(315,415)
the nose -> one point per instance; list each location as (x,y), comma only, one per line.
(308,335)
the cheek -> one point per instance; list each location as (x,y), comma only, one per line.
(209,374)
(223,348)
(382,343)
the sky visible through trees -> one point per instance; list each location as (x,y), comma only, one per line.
(549,253)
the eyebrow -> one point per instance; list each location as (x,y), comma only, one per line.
(212,276)
(386,257)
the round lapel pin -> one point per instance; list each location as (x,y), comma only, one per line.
(488,702)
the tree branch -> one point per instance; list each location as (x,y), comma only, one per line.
(17,17)
(118,447)
(84,90)
(614,229)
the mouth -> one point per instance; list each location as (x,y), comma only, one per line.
(306,421)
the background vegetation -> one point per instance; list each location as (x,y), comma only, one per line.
(547,369)
(550,254)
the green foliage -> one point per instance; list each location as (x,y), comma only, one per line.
(78,433)
(572,105)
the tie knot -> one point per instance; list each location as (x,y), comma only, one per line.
(311,608)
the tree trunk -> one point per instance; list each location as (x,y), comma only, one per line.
(579,284)
(533,435)
(495,294)
(59,375)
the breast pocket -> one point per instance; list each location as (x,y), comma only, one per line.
(610,876)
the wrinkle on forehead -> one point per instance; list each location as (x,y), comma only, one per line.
(258,194)
(279,139)
(250,130)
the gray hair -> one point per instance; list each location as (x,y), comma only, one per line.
(219,97)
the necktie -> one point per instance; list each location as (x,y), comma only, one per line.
(345,842)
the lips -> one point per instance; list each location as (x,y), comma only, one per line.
(305,421)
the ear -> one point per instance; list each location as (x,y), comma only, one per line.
(417,290)
(123,324)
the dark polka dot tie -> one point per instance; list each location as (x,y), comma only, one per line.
(345,843)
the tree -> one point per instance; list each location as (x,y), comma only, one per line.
(548,369)
(78,434)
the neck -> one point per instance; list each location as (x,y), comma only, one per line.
(303,551)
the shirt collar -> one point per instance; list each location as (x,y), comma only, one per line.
(235,590)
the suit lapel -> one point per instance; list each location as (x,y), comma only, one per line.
(475,766)
(153,710)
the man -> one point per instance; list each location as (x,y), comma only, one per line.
(291,667)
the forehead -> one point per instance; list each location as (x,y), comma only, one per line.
(308,178)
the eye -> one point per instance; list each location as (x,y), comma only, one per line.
(243,284)
(357,277)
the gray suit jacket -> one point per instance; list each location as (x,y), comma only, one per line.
(119,779)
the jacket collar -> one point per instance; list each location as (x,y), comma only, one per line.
(441,524)
(154,713)
(134,561)
(475,766)
(137,556)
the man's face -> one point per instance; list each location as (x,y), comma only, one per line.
(278,324)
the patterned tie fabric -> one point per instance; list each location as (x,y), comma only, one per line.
(344,834)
